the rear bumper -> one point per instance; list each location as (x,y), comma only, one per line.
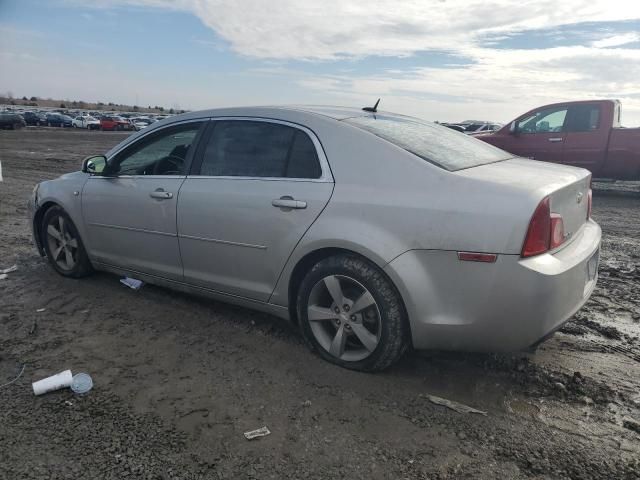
(508,305)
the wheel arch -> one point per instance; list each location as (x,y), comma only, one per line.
(307,262)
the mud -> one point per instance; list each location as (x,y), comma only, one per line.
(178,379)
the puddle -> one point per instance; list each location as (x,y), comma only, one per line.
(521,407)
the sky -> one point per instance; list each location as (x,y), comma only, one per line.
(445,60)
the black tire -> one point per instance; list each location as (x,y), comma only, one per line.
(394,338)
(82,266)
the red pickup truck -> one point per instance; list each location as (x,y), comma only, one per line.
(584,134)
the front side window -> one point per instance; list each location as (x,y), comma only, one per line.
(436,144)
(245,148)
(161,153)
(544,121)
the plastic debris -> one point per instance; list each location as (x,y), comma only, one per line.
(11,269)
(40,310)
(458,407)
(260,432)
(132,283)
(55,382)
(81,383)
(15,379)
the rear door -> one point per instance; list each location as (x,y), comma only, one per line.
(130,215)
(587,138)
(540,135)
(256,187)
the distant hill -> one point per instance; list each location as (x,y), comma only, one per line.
(80,104)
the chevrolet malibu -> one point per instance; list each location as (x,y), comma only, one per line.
(373,232)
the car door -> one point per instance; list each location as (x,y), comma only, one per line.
(539,135)
(255,188)
(130,211)
(587,138)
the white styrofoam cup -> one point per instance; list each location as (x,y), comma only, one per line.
(55,382)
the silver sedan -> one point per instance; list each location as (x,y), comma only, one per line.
(372,231)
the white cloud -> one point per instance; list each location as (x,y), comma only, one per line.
(617,40)
(497,83)
(330,29)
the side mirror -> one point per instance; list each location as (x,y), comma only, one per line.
(513,128)
(94,164)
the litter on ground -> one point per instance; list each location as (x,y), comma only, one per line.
(458,407)
(13,268)
(260,432)
(131,283)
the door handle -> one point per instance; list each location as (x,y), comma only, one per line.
(556,139)
(288,202)
(160,194)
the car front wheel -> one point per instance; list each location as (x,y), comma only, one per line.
(63,245)
(352,315)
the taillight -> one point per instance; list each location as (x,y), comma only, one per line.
(557,231)
(546,231)
(539,232)
(589,203)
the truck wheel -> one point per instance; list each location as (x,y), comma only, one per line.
(351,314)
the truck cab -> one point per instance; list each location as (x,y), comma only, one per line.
(583,134)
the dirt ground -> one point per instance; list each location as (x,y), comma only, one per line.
(178,379)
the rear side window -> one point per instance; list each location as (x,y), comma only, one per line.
(244,148)
(584,118)
(439,145)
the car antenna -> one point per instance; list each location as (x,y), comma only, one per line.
(373,109)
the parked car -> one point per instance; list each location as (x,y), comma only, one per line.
(58,120)
(374,232)
(114,123)
(584,134)
(453,126)
(142,122)
(486,127)
(11,121)
(34,118)
(86,121)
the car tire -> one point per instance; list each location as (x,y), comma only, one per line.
(66,252)
(372,338)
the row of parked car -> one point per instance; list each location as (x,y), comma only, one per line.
(88,120)
(474,127)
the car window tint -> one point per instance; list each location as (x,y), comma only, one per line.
(161,153)
(437,144)
(240,148)
(303,158)
(584,118)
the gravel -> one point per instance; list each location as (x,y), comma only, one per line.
(178,379)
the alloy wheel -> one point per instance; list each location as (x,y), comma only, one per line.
(62,243)
(344,318)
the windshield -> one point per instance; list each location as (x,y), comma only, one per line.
(439,145)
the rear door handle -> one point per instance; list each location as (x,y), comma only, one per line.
(288,202)
(556,139)
(160,194)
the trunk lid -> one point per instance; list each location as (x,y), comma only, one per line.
(567,187)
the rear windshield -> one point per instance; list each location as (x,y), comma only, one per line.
(439,145)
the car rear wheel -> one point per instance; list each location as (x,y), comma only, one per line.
(63,245)
(352,315)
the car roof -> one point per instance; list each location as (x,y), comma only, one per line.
(332,112)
